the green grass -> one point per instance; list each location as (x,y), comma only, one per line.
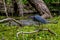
(9,32)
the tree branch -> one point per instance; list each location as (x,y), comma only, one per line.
(10,19)
(37,31)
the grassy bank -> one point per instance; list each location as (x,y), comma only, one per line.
(9,32)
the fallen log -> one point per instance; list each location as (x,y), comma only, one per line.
(15,22)
(40,6)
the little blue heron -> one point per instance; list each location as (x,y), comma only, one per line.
(40,19)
